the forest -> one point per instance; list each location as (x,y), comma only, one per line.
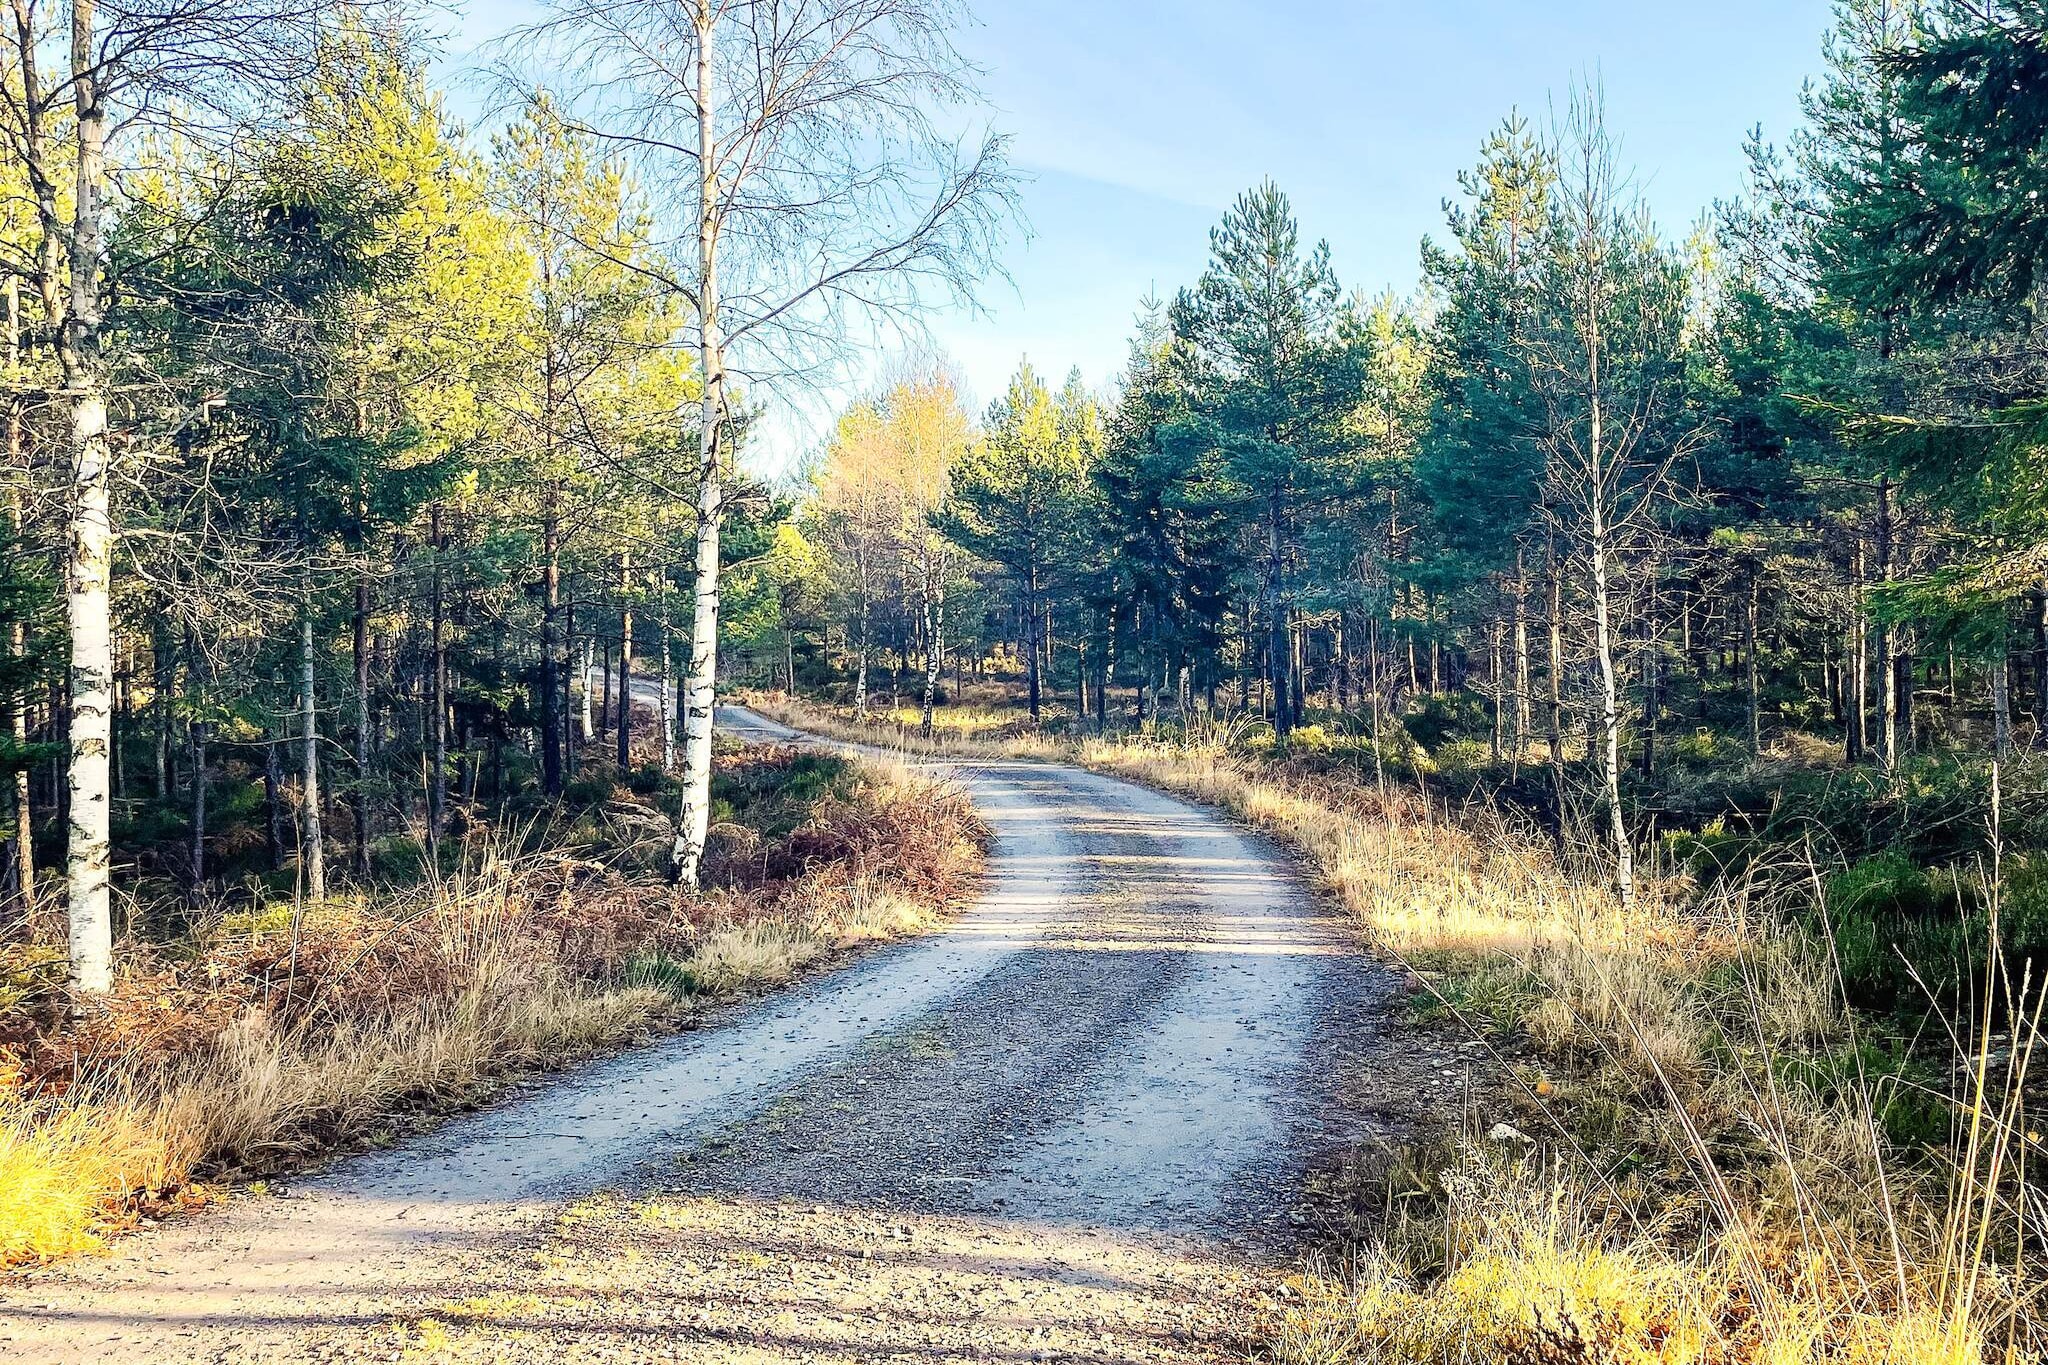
(1602,515)
(1642,633)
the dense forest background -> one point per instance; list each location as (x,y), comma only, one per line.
(1657,536)
(1669,540)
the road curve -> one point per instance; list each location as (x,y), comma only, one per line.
(1085,1092)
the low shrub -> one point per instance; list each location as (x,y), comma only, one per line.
(1435,721)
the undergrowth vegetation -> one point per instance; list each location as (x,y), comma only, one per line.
(256,1037)
(1701,1149)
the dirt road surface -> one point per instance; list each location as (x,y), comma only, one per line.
(1072,1125)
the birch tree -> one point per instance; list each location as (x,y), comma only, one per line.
(814,148)
(93,81)
(1605,363)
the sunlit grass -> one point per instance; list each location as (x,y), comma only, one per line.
(1685,1196)
(123,1140)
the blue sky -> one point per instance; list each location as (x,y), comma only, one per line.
(1137,122)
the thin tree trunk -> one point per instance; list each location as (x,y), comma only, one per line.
(860,669)
(1752,683)
(20,822)
(1108,678)
(2040,615)
(1277,645)
(1340,665)
(626,665)
(1498,719)
(553,659)
(1610,697)
(1888,700)
(587,722)
(668,683)
(934,635)
(1377,703)
(1556,735)
(1902,686)
(1858,663)
(1653,703)
(312,842)
(1297,667)
(195,887)
(273,799)
(1032,623)
(161,675)
(437,730)
(1522,727)
(2001,705)
(360,797)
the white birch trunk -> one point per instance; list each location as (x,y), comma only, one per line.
(89,583)
(668,705)
(860,669)
(934,636)
(1522,718)
(89,564)
(1603,644)
(586,720)
(700,694)
(20,813)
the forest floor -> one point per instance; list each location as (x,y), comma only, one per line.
(1076,1124)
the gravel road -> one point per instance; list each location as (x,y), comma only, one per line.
(1073,1124)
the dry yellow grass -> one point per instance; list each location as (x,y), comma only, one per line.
(76,1167)
(71,1167)
(1758,1223)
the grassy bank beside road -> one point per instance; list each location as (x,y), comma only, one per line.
(248,1041)
(1696,1154)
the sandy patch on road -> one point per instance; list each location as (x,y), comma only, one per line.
(672,1277)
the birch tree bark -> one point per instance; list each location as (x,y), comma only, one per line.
(934,592)
(20,830)
(701,682)
(586,722)
(1521,657)
(668,705)
(90,564)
